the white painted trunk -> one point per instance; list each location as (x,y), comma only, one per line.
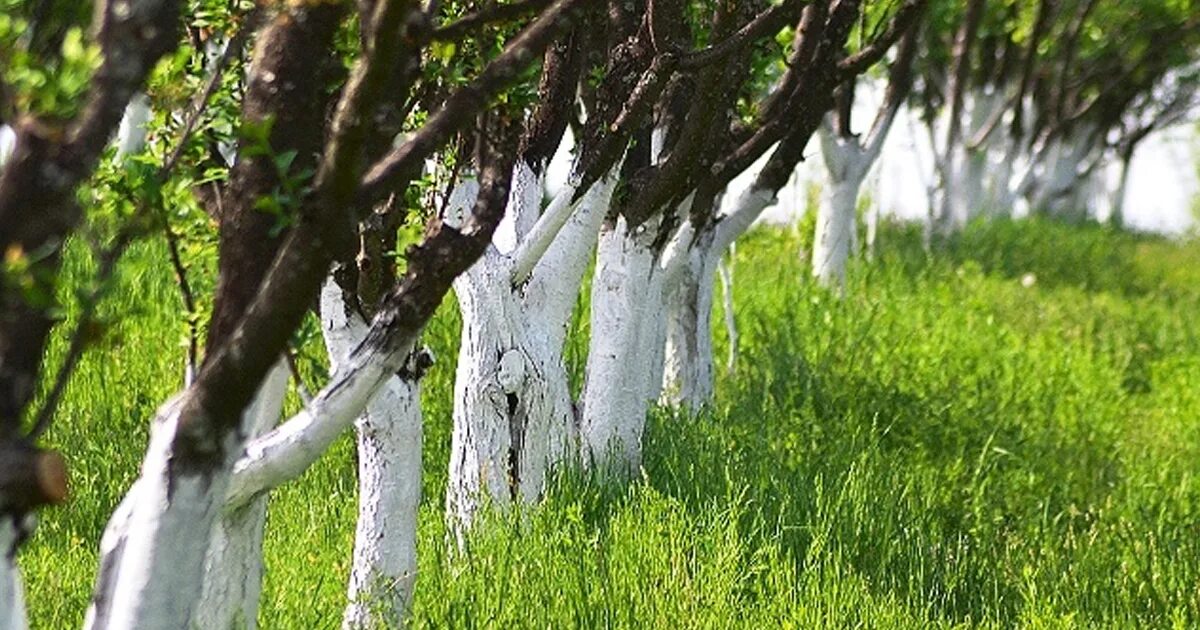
(234,565)
(8,142)
(514,419)
(524,206)
(627,307)
(1059,189)
(688,366)
(155,577)
(1000,197)
(389,435)
(131,135)
(12,596)
(1116,215)
(836,222)
(731,330)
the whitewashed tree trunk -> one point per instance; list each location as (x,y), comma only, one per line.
(731,329)
(1059,188)
(131,136)
(154,548)
(688,371)
(158,537)
(12,597)
(1116,215)
(234,565)
(389,436)
(8,141)
(627,307)
(514,419)
(847,165)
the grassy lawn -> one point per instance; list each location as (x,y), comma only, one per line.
(944,447)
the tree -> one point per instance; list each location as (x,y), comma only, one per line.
(155,547)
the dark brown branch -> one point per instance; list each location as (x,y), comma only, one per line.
(286,90)
(403,164)
(37,208)
(30,478)
(766,24)
(230,376)
(489,15)
(562,66)
(905,16)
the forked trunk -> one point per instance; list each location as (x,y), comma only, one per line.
(514,419)
(154,548)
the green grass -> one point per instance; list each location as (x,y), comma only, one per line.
(942,448)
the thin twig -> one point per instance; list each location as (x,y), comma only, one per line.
(199,105)
(79,337)
(495,13)
(126,236)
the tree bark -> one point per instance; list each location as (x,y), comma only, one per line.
(389,435)
(131,135)
(514,419)
(233,568)
(12,596)
(624,367)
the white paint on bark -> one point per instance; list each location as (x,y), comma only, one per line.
(8,141)
(846,163)
(12,594)
(154,581)
(389,435)
(627,313)
(514,419)
(234,566)
(131,135)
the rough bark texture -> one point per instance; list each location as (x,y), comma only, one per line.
(389,431)
(688,372)
(514,419)
(234,565)
(627,315)
(286,89)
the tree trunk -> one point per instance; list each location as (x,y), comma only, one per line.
(12,598)
(688,375)
(1058,190)
(836,221)
(389,434)
(152,569)
(234,565)
(627,308)
(131,136)
(846,164)
(731,330)
(688,371)
(1116,216)
(514,419)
